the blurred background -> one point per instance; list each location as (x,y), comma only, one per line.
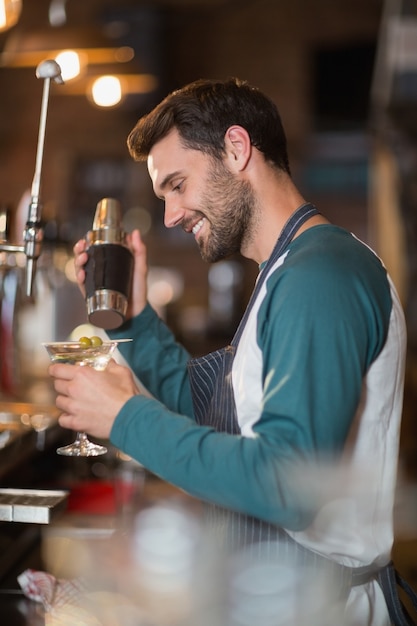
(344,77)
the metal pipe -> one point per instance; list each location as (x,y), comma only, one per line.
(33,235)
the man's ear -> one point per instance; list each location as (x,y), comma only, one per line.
(238,147)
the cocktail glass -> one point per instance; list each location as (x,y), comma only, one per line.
(77,353)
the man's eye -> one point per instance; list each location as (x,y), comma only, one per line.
(177,187)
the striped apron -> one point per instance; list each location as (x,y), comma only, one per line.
(214,405)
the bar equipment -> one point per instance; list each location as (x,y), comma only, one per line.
(108,271)
(33,234)
(10,278)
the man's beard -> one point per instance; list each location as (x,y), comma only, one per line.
(229,208)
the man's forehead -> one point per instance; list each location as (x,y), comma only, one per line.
(164,161)
(170,141)
(164,150)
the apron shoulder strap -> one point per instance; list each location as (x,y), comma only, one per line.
(295,221)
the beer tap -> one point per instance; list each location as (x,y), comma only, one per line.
(33,234)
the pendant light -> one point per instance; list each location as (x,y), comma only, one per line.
(9,13)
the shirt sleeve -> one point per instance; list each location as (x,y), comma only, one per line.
(157,359)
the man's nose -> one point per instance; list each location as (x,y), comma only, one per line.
(173,215)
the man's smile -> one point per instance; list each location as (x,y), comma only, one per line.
(197,227)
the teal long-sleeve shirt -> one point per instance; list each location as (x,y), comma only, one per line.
(320,323)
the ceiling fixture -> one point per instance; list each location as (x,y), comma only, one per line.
(86,56)
(128,84)
(70,63)
(106,91)
(9,13)
(28,48)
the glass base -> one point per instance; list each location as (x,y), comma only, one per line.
(82,447)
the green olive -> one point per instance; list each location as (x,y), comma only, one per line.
(96,341)
(85,342)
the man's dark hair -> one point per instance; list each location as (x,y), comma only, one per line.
(202,112)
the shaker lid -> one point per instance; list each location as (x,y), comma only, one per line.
(107,224)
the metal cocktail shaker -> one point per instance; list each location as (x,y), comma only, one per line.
(108,271)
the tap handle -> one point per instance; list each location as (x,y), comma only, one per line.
(33,237)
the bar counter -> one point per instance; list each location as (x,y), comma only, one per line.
(27,431)
(29,435)
(95,512)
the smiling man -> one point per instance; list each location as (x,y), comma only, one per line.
(313,377)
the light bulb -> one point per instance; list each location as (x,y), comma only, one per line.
(9,13)
(69,62)
(106,91)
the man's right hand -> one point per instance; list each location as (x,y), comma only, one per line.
(138,296)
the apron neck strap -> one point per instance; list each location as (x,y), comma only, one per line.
(294,222)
